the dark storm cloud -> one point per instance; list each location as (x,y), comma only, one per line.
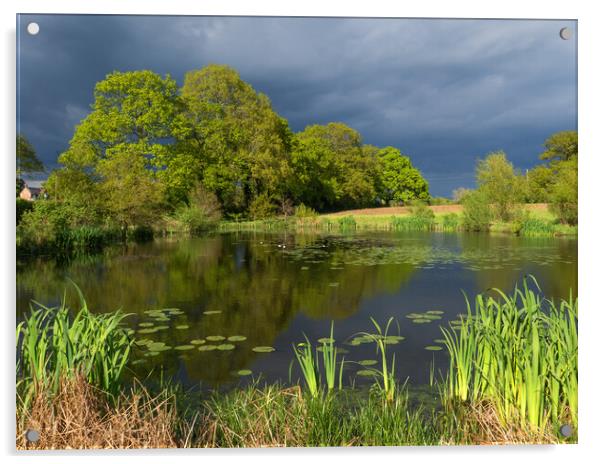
(443,91)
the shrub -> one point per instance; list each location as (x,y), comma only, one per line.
(142,234)
(564,194)
(476,214)
(22,207)
(202,212)
(303,211)
(262,207)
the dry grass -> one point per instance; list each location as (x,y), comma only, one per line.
(437,209)
(80,416)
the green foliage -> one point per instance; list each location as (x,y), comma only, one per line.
(261,207)
(564,201)
(23,206)
(500,184)
(450,222)
(476,211)
(331,168)
(131,193)
(538,181)
(421,217)
(27,160)
(519,352)
(303,211)
(347,223)
(399,181)
(435,201)
(53,343)
(561,146)
(202,212)
(535,227)
(242,145)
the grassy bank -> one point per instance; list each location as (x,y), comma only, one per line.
(537,221)
(512,379)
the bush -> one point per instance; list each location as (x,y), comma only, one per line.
(476,214)
(440,201)
(534,227)
(22,207)
(261,207)
(202,213)
(564,194)
(303,211)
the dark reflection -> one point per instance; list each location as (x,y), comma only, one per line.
(273,288)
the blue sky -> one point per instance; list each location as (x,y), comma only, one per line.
(445,92)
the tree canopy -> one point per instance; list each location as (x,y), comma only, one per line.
(147,144)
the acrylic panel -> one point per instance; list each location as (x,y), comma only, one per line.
(286,231)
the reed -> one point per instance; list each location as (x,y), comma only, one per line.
(54,343)
(519,353)
(308,363)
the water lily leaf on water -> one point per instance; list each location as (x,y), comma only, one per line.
(333,284)
(198,341)
(414,316)
(237,338)
(391,341)
(244,372)
(182,327)
(367,362)
(211,312)
(421,321)
(143,341)
(147,331)
(152,353)
(174,311)
(138,361)
(439,340)
(304,268)
(325,340)
(264,349)
(207,347)
(215,338)
(146,324)
(434,312)
(225,347)
(395,337)
(162,327)
(153,347)
(365,373)
(433,348)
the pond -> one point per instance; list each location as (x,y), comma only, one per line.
(208,310)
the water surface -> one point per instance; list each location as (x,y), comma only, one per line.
(275,288)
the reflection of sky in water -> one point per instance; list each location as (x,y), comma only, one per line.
(274,295)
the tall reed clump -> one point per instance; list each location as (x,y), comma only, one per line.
(347,223)
(421,217)
(309,364)
(517,352)
(54,343)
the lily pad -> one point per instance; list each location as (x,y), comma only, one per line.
(264,349)
(325,340)
(439,340)
(244,372)
(184,347)
(162,327)
(207,347)
(237,338)
(215,338)
(147,331)
(365,373)
(181,327)
(211,312)
(433,348)
(434,312)
(152,353)
(198,341)
(226,347)
(146,324)
(421,321)
(333,284)
(367,362)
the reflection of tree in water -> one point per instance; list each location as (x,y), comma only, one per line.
(259,287)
